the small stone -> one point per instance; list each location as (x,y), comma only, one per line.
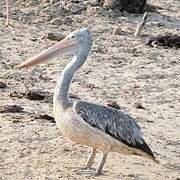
(48,99)
(11,109)
(34,96)
(33,39)
(66,149)
(132,175)
(15,120)
(37,95)
(91,86)
(46,1)
(99,50)
(16,94)
(93,10)
(47,117)
(56,21)
(114,104)
(50,1)
(165,40)
(3,85)
(117,31)
(1,14)
(150,121)
(139,106)
(60,21)
(87,71)
(55,36)
(91,3)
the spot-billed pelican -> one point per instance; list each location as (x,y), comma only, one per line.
(90,124)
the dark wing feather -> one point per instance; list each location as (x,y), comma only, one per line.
(114,122)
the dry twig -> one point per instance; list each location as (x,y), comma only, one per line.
(8,24)
(141,25)
(7,13)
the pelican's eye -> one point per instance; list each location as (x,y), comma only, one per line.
(73,37)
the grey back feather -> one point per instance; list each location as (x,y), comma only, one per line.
(114,122)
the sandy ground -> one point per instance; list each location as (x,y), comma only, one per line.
(120,68)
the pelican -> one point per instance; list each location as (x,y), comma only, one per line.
(99,127)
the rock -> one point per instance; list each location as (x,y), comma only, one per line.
(47,97)
(139,106)
(33,39)
(55,36)
(114,104)
(75,8)
(143,76)
(134,6)
(94,10)
(60,21)
(153,88)
(150,121)
(111,4)
(65,149)
(37,95)
(47,117)
(91,86)
(87,71)
(46,1)
(91,3)
(17,94)
(11,109)
(50,1)
(1,14)
(117,31)
(16,121)
(3,85)
(166,40)
(99,50)
(56,21)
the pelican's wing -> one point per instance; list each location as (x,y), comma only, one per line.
(114,122)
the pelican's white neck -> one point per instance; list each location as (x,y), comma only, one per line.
(61,94)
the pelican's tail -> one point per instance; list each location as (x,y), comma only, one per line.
(145,155)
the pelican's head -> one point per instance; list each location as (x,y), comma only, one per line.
(78,42)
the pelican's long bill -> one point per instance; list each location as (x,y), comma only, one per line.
(57,49)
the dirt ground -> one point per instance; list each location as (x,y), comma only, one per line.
(121,68)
